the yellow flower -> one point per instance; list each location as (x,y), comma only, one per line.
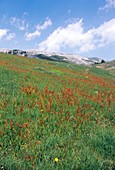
(56,159)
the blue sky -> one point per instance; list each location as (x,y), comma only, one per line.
(85,27)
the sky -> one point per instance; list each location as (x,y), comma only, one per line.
(85,27)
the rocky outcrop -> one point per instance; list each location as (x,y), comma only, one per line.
(17,52)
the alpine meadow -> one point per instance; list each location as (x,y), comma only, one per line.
(55,115)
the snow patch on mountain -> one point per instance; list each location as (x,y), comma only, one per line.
(54,56)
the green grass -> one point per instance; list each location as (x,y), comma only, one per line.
(109,66)
(54,110)
(102,73)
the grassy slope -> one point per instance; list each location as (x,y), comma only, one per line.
(109,66)
(54,110)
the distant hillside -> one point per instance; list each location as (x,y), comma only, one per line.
(53,56)
(110,66)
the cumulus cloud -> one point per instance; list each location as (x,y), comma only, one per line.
(18,23)
(38,28)
(74,37)
(106,33)
(3,32)
(109,4)
(63,37)
(10,36)
(32,35)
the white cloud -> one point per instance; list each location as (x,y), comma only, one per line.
(106,32)
(74,37)
(30,36)
(10,36)
(109,4)
(3,32)
(63,37)
(39,28)
(45,25)
(18,23)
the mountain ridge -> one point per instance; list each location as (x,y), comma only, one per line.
(55,56)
